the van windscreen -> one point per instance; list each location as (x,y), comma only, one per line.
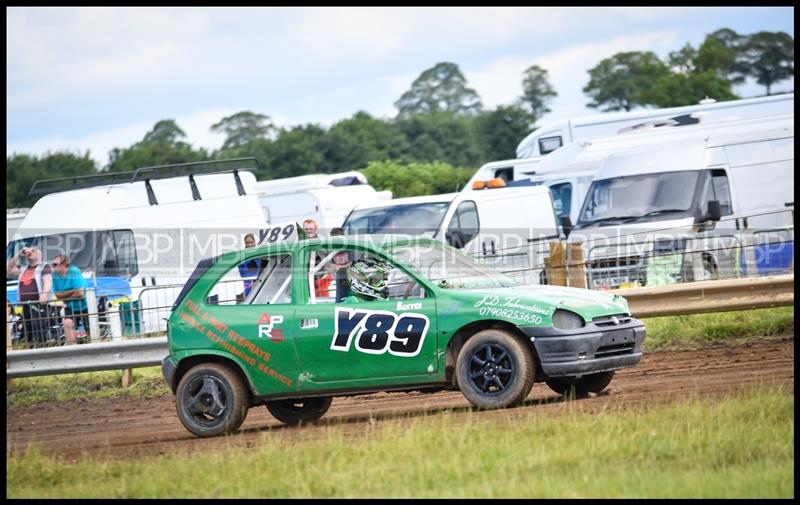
(412,219)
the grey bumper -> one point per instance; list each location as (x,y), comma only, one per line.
(599,346)
(168,369)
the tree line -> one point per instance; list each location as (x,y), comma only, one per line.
(441,133)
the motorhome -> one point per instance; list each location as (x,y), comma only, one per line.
(716,203)
(506,226)
(137,236)
(552,136)
(325,198)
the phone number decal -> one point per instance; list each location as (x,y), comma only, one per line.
(510,314)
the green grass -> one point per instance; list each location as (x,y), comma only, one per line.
(733,327)
(148,381)
(661,332)
(740,446)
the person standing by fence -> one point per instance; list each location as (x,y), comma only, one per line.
(35,290)
(70,287)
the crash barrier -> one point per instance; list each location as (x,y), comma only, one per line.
(742,247)
(694,298)
(710,296)
(92,357)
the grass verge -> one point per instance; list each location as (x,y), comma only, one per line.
(739,446)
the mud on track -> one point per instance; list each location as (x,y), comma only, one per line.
(129,427)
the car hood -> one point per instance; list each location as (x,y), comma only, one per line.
(544,300)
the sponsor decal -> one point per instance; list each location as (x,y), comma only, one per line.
(266,327)
(510,308)
(379,332)
(409,306)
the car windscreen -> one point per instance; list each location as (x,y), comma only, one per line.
(447,267)
(639,197)
(411,219)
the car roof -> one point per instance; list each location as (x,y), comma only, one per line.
(377,241)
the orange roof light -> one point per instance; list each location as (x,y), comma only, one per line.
(496,183)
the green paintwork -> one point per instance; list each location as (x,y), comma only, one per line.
(304,361)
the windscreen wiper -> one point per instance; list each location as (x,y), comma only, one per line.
(661,211)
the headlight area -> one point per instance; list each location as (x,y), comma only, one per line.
(567,320)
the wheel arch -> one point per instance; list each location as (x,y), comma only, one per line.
(463,334)
(189,362)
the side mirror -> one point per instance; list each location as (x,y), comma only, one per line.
(714,212)
(455,238)
(566,225)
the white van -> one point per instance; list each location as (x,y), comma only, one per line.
(14,218)
(506,227)
(132,239)
(706,206)
(552,136)
(325,198)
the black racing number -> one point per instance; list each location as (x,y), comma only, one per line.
(376,333)
(274,234)
(408,334)
(347,321)
(287,231)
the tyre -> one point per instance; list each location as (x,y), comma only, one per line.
(212,400)
(495,370)
(294,412)
(593,383)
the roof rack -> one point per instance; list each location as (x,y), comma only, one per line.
(47,186)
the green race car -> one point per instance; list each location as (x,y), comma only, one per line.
(344,316)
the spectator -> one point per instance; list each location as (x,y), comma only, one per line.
(70,287)
(249,270)
(14,322)
(340,262)
(35,289)
(310,228)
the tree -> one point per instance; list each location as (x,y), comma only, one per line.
(442,136)
(677,89)
(353,142)
(619,82)
(243,128)
(722,51)
(414,179)
(537,91)
(441,88)
(160,146)
(502,129)
(165,131)
(23,169)
(769,57)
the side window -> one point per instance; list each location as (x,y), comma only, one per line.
(465,221)
(257,281)
(350,276)
(549,144)
(126,253)
(562,198)
(719,189)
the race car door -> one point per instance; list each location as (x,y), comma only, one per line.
(382,331)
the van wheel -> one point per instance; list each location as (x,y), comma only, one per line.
(294,412)
(495,370)
(593,383)
(212,400)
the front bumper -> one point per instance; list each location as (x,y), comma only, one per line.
(168,369)
(604,344)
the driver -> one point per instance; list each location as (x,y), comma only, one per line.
(368,280)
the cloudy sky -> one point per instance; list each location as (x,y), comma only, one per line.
(98,78)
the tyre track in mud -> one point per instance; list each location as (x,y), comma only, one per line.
(134,427)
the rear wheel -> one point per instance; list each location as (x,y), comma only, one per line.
(212,400)
(593,383)
(294,412)
(495,370)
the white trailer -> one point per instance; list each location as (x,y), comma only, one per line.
(552,136)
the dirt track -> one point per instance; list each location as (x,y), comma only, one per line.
(134,427)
